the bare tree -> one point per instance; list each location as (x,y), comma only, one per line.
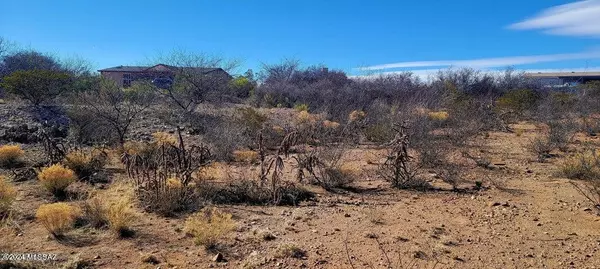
(196,76)
(116,107)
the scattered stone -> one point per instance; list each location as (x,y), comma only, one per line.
(218,258)
(149,258)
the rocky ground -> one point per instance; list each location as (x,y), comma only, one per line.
(524,217)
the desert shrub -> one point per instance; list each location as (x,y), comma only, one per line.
(324,168)
(247,156)
(56,179)
(94,212)
(86,164)
(209,226)
(230,134)
(57,218)
(120,216)
(301,107)
(252,119)
(582,166)
(560,134)
(251,192)
(518,100)
(116,107)
(153,169)
(331,124)
(86,128)
(356,116)
(8,195)
(36,86)
(541,147)
(399,168)
(378,133)
(10,155)
(590,125)
(289,250)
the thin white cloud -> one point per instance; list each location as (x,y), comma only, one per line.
(581,18)
(425,74)
(490,62)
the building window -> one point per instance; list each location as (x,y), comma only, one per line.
(127,79)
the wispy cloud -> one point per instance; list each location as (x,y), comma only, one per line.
(489,62)
(581,18)
(425,74)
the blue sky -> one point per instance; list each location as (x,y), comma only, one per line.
(355,36)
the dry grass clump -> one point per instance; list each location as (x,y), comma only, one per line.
(57,218)
(438,115)
(94,212)
(331,124)
(10,155)
(164,139)
(209,226)
(305,117)
(86,164)
(289,251)
(357,115)
(246,156)
(8,194)
(214,171)
(120,216)
(56,179)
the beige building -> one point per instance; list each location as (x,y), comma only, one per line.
(161,75)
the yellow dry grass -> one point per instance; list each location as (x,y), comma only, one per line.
(10,154)
(247,156)
(209,226)
(57,218)
(56,178)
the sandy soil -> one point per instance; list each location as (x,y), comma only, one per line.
(525,218)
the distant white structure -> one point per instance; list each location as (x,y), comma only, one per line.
(564,79)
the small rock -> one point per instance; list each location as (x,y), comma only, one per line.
(150,259)
(218,258)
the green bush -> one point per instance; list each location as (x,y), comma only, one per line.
(37,86)
(518,100)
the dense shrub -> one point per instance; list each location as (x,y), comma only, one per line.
(57,218)
(10,155)
(8,195)
(37,86)
(209,226)
(519,100)
(56,179)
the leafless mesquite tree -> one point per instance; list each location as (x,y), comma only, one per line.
(196,76)
(118,108)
